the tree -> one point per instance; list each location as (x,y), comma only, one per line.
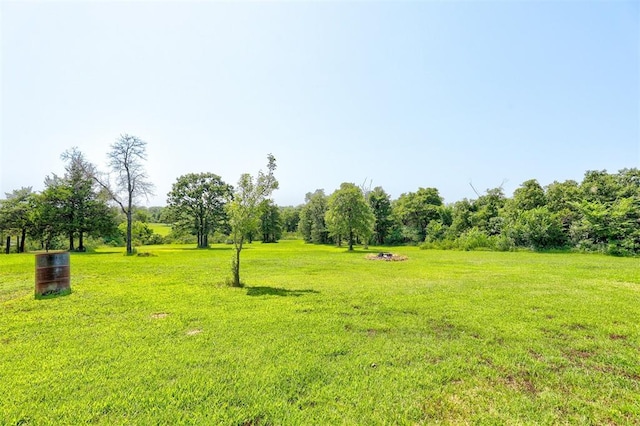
(86,206)
(312,224)
(563,199)
(528,196)
(349,215)
(415,210)
(380,203)
(244,209)
(131,181)
(462,213)
(486,211)
(537,228)
(69,206)
(598,185)
(290,218)
(270,222)
(15,216)
(198,201)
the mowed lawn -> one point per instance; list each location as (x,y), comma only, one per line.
(323,336)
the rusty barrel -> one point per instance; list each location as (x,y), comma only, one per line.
(53,276)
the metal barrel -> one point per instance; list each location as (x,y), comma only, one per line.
(53,274)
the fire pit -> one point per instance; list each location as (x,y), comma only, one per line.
(388,257)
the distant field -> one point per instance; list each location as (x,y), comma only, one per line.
(161,229)
(322,336)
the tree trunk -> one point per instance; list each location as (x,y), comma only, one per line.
(24,237)
(350,240)
(17,243)
(236,268)
(129,218)
(72,246)
(8,246)
(81,241)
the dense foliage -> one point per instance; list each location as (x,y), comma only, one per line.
(196,203)
(349,215)
(601,213)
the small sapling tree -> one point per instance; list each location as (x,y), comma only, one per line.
(244,210)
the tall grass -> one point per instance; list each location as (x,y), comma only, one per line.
(323,336)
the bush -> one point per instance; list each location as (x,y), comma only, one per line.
(503,243)
(155,239)
(474,239)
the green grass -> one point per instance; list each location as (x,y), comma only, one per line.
(322,336)
(161,229)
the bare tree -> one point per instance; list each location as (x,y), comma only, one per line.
(131,181)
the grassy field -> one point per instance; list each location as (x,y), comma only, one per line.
(322,336)
(161,229)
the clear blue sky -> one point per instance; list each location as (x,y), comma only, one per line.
(406,94)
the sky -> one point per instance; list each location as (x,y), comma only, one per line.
(453,95)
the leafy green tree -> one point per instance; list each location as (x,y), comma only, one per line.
(611,227)
(487,211)
(69,206)
(380,203)
(529,195)
(537,228)
(140,232)
(141,214)
(290,218)
(46,218)
(349,215)
(527,220)
(415,210)
(55,214)
(197,201)
(436,231)
(312,224)
(609,209)
(561,196)
(244,209)
(562,200)
(15,216)
(270,222)
(155,213)
(598,185)
(462,213)
(86,207)
(629,183)
(126,160)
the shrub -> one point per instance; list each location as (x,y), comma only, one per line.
(474,239)
(155,239)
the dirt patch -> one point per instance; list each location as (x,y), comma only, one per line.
(159,315)
(617,337)
(521,383)
(194,332)
(575,354)
(387,257)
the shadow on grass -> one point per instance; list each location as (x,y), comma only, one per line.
(273,291)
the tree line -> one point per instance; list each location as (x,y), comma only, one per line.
(600,213)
